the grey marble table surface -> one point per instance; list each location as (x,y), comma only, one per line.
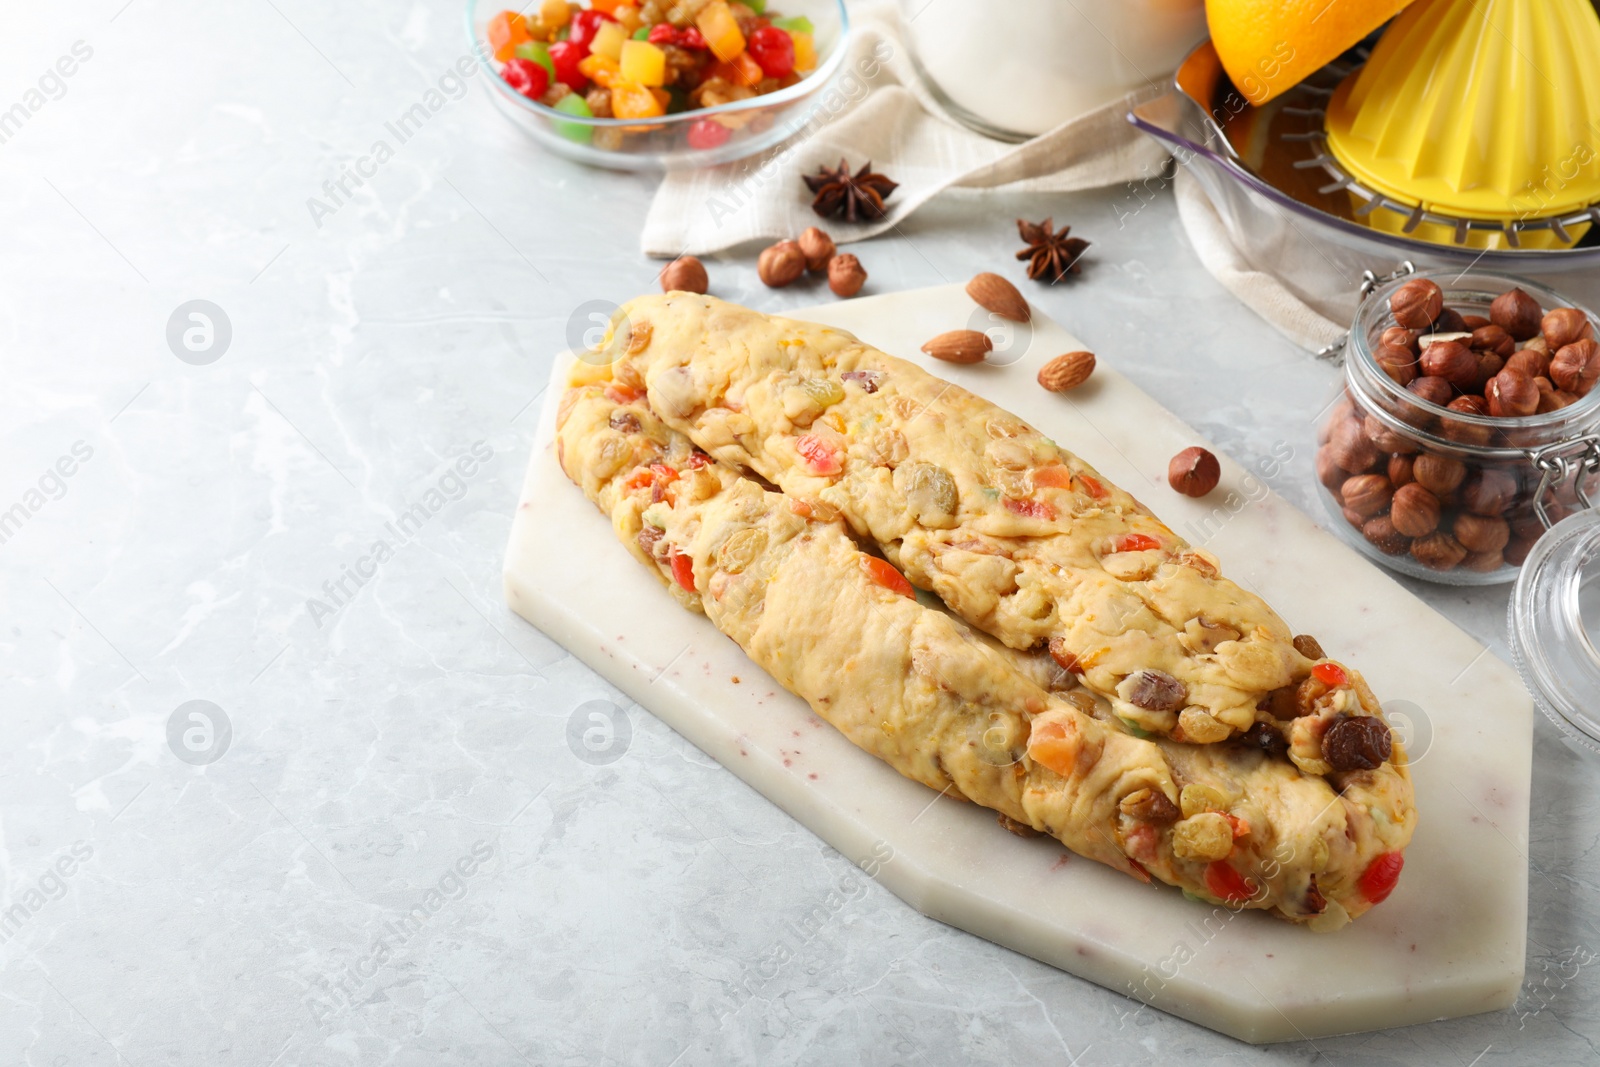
(375,840)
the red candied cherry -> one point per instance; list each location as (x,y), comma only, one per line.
(585,24)
(526,77)
(566,56)
(1330,674)
(773,49)
(1379,879)
(708,133)
(662,33)
(691,37)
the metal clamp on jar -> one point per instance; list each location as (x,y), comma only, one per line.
(1456,453)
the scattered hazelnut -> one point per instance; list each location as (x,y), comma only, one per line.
(1529,361)
(1516,313)
(817,247)
(1414,511)
(1367,494)
(1194,472)
(684,274)
(1416,304)
(1576,367)
(781,264)
(1439,475)
(1351,449)
(1488,492)
(1384,537)
(1480,533)
(1494,339)
(1434,390)
(1402,470)
(1511,395)
(1397,362)
(1450,360)
(1438,551)
(1563,326)
(846,276)
(1400,337)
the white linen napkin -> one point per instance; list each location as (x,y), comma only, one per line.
(881,112)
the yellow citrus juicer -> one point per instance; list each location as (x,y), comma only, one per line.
(1477,123)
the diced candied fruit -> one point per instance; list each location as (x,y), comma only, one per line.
(821,457)
(602,69)
(708,133)
(1052,477)
(538,52)
(795,24)
(630,101)
(1330,674)
(721,30)
(608,6)
(584,26)
(1381,875)
(608,41)
(774,50)
(554,13)
(1030,509)
(805,52)
(507,30)
(643,63)
(884,573)
(628,16)
(526,77)
(1135,543)
(1227,884)
(1050,744)
(575,105)
(683,571)
(567,57)
(741,70)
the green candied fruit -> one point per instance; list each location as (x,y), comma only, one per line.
(538,52)
(758,6)
(795,24)
(824,391)
(574,104)
(1134,728)
(642,33)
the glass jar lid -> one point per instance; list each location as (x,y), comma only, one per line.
(1555,625)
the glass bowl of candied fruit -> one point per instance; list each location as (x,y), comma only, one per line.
(658,84)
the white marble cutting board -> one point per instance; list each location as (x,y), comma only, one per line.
(1449,942)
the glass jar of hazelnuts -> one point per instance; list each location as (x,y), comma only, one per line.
(1464,448)
(1469,424)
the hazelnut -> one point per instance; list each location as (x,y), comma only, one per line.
(1452,361)
(1397,362)
(1475,322)
(1400,337)
(1516,313)
(781,264)
(1438,551)
(1469,405)
(1489,364)
(1516,551)
(1530,361)
(1367,495)
(1435,390)
(1525,522)
(1384,439)
(1576,367)
(1329,473)
(1450,321)
(1462,431)
(1416,304)
(1402,470)
(1480,533)
(1384,537)
(1492,338)
(845,275)
(1511,395)
(1565,325)
(1439,475)
(1484,562)
(1351,449)
(1354,517)
(817,247)
(685,274)
(1488,492)
(1194,472)
(1414,511)
(1551,398)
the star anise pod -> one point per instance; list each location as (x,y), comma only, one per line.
(858,197)
(1050,255)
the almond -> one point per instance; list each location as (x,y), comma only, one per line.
(960,346)
(994,293)
(1067,372)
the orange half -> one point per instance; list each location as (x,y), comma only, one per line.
(1270,46)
